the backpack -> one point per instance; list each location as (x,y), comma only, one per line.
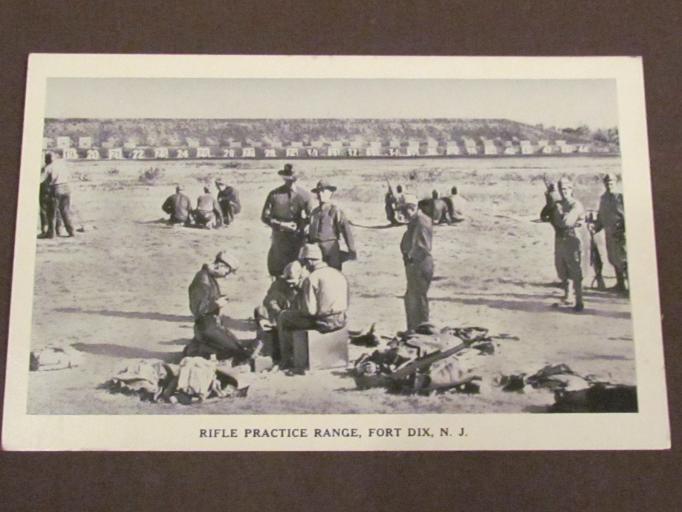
(196,377)
(145,377)
(54,357)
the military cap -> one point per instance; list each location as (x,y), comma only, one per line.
(227,258)
(324,185)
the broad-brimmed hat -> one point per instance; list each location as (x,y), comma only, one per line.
(609,177)
(310,252)
(228,259)
(323,185)
(288,172)
(219,181)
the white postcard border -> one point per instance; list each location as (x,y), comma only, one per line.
(647,429)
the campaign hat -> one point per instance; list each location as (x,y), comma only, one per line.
(323,185)
(288,172)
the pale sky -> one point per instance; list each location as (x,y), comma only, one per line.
(561,103)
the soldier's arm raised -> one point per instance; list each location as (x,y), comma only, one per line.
(574,216)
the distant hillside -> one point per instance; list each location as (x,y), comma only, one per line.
(258,132)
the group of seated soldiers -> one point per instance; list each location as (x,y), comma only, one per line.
(309,294)
(211,212)
(442,210)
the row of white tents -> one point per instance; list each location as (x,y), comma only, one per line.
(84,148)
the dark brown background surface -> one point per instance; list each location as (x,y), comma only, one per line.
(338,481)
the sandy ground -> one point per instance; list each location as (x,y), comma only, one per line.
(118,292)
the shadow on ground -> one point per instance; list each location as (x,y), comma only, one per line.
(124,352)
(533,306)
(140,315)
(178,341)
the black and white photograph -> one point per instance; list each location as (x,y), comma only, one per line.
(334,253)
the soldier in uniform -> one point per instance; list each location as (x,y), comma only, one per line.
(321,304)
(393,202)
(44,200)
(178,206)
(204,288)
(435,208)
(611,218)
(280,297)
(415,247)
(57,178)
(208,213)
(228,199)
(211,335)
(286,210)
(327,225)
(454,203)
(567,216)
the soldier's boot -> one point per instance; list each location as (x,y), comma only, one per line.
(620,283)
(565,286)
(578,290)
(601,285)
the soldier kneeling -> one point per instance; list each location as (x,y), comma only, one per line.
(280,297)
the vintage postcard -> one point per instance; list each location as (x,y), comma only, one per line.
(334,253)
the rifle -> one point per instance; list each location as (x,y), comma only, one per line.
(546,212)
(426,361)
(390,188)
(596,261)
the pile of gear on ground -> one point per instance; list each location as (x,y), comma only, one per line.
(432,360)
(195,379)
(427,361)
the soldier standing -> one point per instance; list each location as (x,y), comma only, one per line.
(611,218)
(45,198)
(415,247)
(327,225)
(57,177)
(567,216)
(286,211)
(392,203)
